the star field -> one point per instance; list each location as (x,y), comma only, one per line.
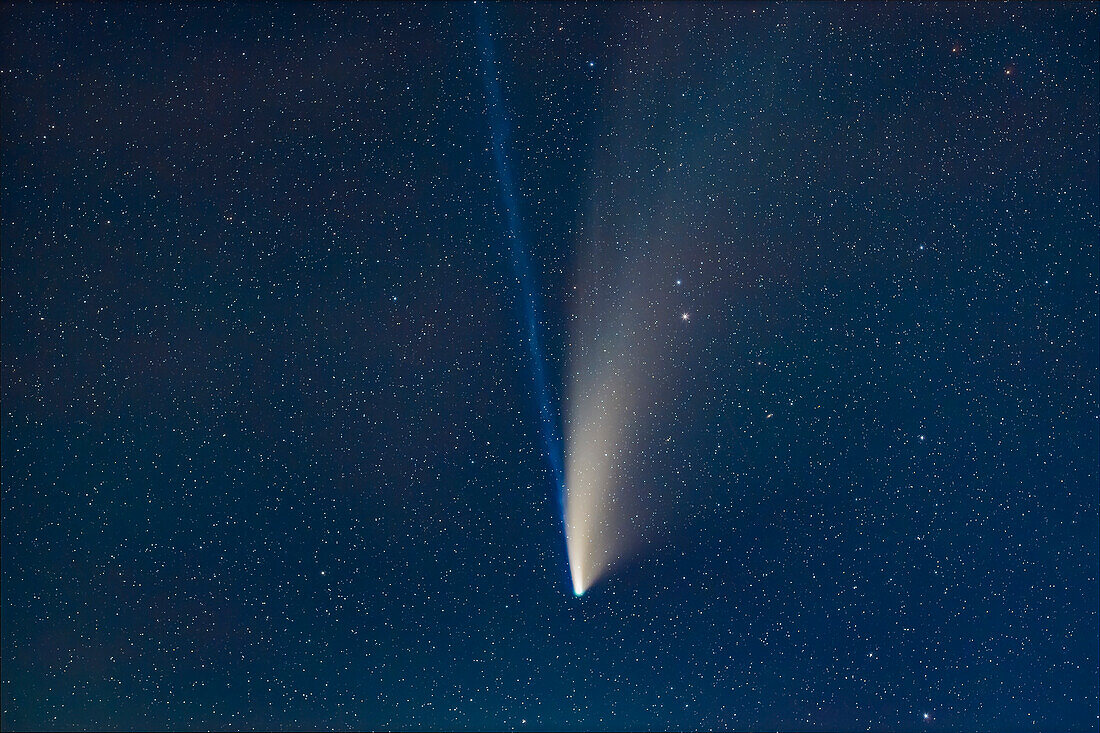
(271,452)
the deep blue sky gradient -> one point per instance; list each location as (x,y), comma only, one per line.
(269,455)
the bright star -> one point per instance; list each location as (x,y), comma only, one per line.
(685,316)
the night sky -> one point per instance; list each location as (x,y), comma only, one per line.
(274,443)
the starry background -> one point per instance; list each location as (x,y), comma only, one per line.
(270,453)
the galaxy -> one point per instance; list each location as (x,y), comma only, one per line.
(550,366)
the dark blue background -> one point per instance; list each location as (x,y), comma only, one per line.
(270,453)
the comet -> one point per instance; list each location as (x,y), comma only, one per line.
(639,257)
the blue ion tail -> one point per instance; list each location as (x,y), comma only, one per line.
(500,128)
